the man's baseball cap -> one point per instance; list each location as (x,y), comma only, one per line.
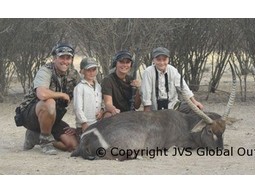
(62,49)
(160,51)
(88,63)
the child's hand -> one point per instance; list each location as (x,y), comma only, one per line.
(99,115)
(135,83)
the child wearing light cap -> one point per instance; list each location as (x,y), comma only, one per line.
(88,106)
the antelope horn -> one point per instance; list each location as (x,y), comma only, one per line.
(200,113)
(232,95)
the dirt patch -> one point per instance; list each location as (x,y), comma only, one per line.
(240,133)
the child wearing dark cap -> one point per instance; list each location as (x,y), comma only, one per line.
(160,83)
(117,86)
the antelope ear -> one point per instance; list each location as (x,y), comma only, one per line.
(199,126)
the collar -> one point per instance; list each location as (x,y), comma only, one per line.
(83,81)
(160,72)
(125,79)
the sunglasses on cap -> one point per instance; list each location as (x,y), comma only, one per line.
(64,51)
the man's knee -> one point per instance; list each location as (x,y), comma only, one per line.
(48,106)
(70,142)
(71,145)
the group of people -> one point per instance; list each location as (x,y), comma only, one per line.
(57,83)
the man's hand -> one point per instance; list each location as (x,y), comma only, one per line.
(45,93)
(65,97)
(70,131)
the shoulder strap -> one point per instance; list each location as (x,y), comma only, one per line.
(166,83)
(156,82)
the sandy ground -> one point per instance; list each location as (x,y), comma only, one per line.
(238,136)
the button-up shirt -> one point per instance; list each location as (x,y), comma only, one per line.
(148,87)
(87,102)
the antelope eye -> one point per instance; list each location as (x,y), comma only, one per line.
(209,131)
